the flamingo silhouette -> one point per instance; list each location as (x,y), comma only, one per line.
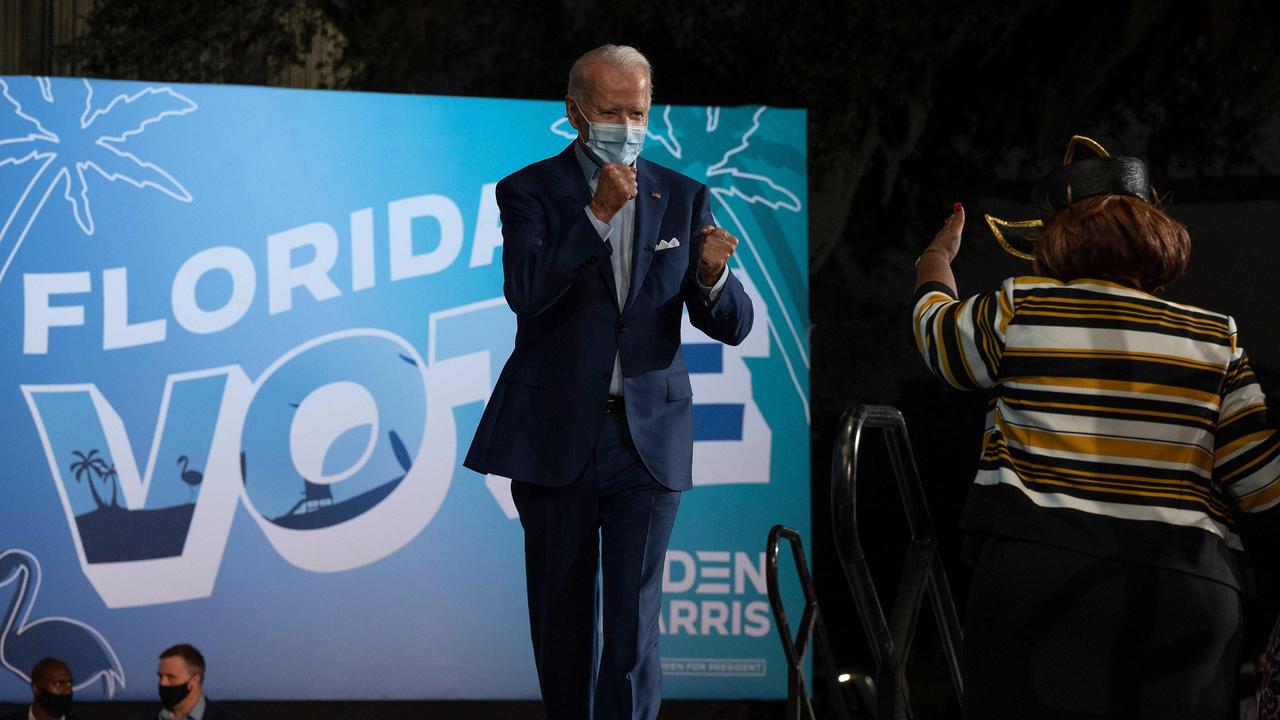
(190,477)
(22,643)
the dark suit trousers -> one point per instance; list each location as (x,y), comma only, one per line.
(614,516)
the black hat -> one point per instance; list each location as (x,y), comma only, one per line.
(1102,174)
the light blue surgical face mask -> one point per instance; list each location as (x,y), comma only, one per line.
(614,142)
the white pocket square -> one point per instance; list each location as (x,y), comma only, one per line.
(668,244)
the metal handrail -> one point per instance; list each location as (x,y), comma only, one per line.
(799,705)
(922,573)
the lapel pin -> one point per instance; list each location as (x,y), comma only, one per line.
(655,195)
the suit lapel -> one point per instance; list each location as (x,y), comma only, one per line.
(569,172)
(651,201)
(573,186)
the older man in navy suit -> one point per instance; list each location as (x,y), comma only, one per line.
(592,416)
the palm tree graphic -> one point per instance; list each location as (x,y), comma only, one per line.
(109,475)
(59,126)
(85,467)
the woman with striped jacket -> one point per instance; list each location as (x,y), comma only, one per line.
(1126,441)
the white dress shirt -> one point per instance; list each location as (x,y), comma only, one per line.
(620,231)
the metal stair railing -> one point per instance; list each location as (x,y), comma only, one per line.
(799,704)
(922,573)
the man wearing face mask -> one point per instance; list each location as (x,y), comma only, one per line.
(51,684)
(592,416)
(181,675)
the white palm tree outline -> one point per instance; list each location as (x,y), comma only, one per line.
(66,134)
(727,181)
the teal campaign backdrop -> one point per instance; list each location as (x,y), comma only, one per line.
(246,336)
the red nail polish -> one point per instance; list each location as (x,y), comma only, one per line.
(957,207)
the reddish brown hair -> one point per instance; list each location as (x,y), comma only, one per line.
(1114,237)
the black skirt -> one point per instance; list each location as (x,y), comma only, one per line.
(1052,633)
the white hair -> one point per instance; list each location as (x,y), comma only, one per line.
(622,57)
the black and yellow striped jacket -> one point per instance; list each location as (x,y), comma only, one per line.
(1121,424)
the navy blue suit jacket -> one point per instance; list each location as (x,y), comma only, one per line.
(546,408)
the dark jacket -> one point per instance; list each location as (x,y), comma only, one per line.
(541,421)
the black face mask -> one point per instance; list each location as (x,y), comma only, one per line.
(171,695)
(53,703)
